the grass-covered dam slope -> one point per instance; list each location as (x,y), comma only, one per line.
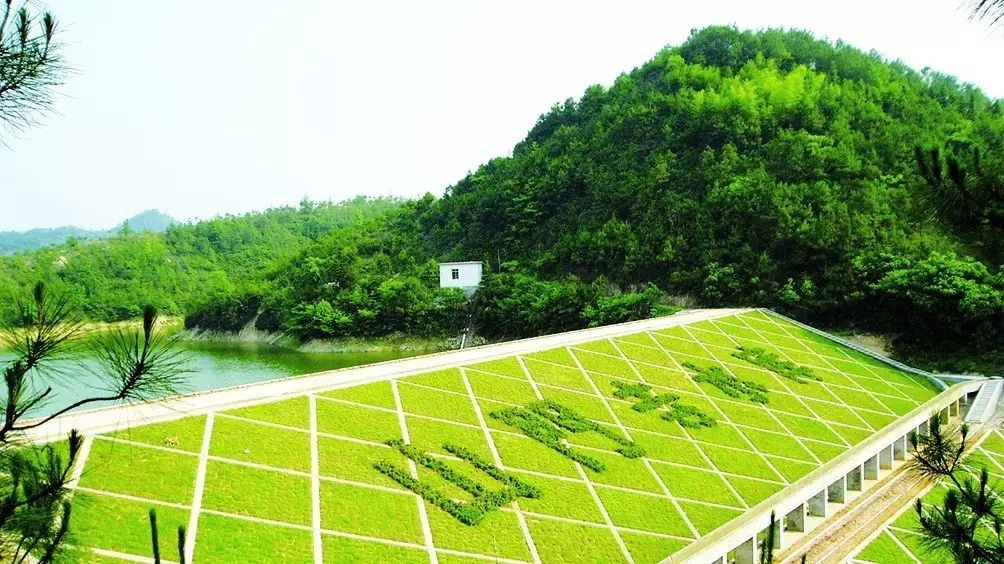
(622,449)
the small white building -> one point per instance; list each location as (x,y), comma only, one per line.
(463,275)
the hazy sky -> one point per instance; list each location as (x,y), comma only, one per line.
(202,108)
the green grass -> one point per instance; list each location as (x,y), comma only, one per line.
(448,380)
(369,512)
(707,518)
(291,412)
(430,435)
(226,539)
(741,462)
(648,549)
(506,390)
(140,471)
(754,491)
(377,394)
(182,434)
(567,377)
(261,444)
(713,473)
(122,525)
(356,422)
(423,401)
(498,535)
(342,549)
(250,491)
(883,549)
(638,511)
(354,461)
(566,498)
(572,543)
(697,485)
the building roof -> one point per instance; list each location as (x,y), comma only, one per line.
(461,262)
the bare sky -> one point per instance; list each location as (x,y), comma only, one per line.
(203,108)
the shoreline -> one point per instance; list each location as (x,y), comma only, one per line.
(249,336)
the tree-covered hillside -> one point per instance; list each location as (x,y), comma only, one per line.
(761,168)
(18,241)
(740,168)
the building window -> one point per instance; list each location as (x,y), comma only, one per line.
(455,274)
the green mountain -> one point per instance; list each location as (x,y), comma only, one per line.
(761,168)
(20,241)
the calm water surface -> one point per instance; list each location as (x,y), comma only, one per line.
(212,366)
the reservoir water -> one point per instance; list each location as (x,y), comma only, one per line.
(210,365)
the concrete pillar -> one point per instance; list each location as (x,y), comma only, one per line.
(746,553)
(854,479)
(837,491)
(795,519)
(885,458)
(871,467)
(899,449)
(816,506)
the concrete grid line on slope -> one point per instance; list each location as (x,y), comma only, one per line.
(700,450)
(620,401)
(497,459)
(729,364)
(752,447)
(865,351)
(423,515)
(112,418)
(842,403)
(816,359)
(870,376)
(585,478)
(197,493)
(780,381)
(379,540)
(713,348)
(315,482)
(826,360)
(626,433)
(823,358)
(911,373)
(591,396)
(537,389)
(772,318)
(702,392)
(762,333)
(366,485)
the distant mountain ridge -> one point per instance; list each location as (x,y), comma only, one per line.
(17,241)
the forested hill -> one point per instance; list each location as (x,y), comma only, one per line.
(19,241)
(761,168)
(739,168)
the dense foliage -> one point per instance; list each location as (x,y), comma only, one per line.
(739,168)
(762,168)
